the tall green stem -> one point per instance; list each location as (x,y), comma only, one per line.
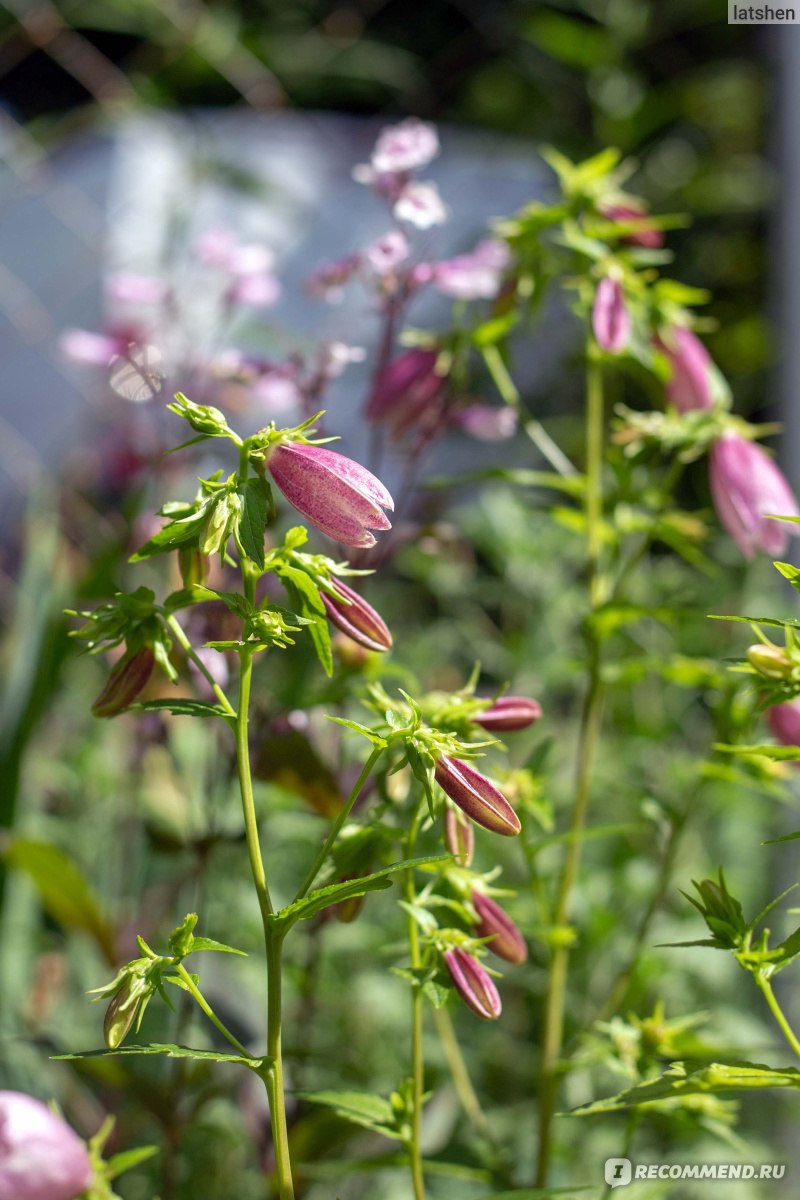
(766,989)
(417,1050)
(591,718)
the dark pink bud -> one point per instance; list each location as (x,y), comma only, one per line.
(125,683)
(509,713)
(507,941)
(476,796)
(689,384)
(784,721)
(41,1158)
(646,235)
(747,485)
(357,619)
(459,836)
(343,499)
(611,320)
(474,985)
(406,389)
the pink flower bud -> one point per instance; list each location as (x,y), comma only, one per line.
(343,499)
(476,796)
(689,384)
(41,1158)
(746,484)
(473,276)
(459,836)
(650,237)
(357,619)
(509,714)
(784,722)
(507,941)
(611,320)
(486,422)
(125,683)
(405,389)
(474,985)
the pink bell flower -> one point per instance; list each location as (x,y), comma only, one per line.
(343,499)
(746,485)
(689,384)
(356,618)
(476,796)
(509,713)
(41,1158)
(474,985)
(507,941)
(611,321)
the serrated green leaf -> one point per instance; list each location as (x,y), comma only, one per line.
(169,1050)
(307,601)
(252,520)
(176,533)
(204,943)
(182,706)
(367,1109)
(714,1079)
(314,902)
(128,1159)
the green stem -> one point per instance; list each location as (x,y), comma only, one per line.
(339,822)
(417,1049)
(246,787)
(460,1075)
(198,996)
(591,719)
(507,389)
(274,1080)
(189,650)
(766,989)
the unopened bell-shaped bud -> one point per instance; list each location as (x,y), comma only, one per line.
(507,941)
(459,836)
(359,620)
(770,661)
(476,796)
(121,1014)
(509,714)
(193,566)
(125,683)
(474,984)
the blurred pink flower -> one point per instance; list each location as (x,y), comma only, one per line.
(784,722)
(746,485)
(405,147)
(611,321)
(476,796)
(689,384)
(486,422)
(214,247)
(41,1158)
(651,238)
(255,291)
(328,280)
(473,276)
(474,985)
(82,345)
(421,205)
(405,388)
(507,941)
(130,288)
(343,499)
(387,252)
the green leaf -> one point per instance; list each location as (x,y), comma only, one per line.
(182,706)
(169,1050)
(314,902)
(361,1108)
(128,1159)
(307,601)
(495,330)
(252,522)
(714,1079)
(779,753)
(787,837)
(65,894)
(773,621)
(176,533)
(204,943)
